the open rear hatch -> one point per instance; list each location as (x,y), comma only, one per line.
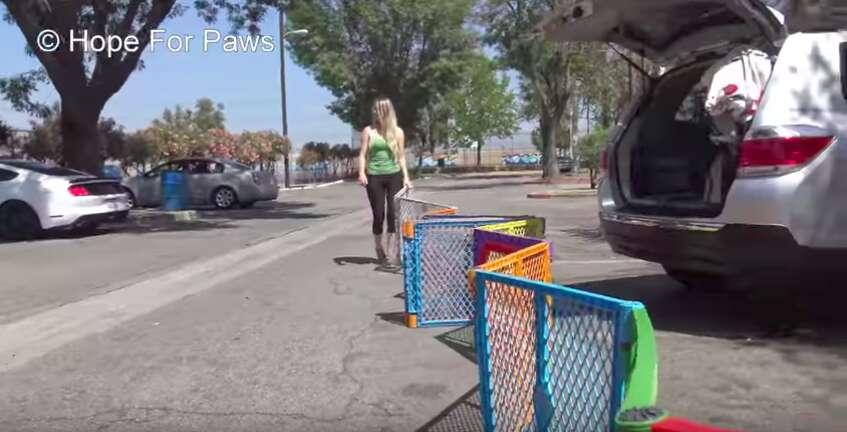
(665,31)
(664,162)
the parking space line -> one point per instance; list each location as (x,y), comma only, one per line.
(37,335)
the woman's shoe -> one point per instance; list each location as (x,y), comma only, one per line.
(378,247)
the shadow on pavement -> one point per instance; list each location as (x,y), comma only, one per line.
(592,234)
(464,415)
(783,315)
(270,210)
(142,227)
(396,318)
(355,260)
(460,340)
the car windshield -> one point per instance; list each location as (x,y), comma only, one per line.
(45,169)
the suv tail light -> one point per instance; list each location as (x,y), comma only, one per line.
(78,191)
(778,155)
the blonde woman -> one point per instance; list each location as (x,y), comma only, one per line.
(382,171)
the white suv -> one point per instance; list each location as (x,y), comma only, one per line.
(777,201)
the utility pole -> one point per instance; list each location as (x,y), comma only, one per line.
(286,159)
(282,36)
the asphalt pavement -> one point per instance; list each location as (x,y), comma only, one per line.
(276,318)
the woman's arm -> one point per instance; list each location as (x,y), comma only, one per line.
(363,157)
(401,146)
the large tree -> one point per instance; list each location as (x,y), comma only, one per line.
(86,81)
(361,49)
(482,107)
(544,67)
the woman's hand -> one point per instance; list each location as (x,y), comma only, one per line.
(407,183)
(363,179)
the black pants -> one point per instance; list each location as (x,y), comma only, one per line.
(381,191)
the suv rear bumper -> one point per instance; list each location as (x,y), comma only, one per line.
(716,249)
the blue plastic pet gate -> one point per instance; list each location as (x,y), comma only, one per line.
(436,259)
(551,358)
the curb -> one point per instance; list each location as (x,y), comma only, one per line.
(574,193)
(163,216)
(307,187)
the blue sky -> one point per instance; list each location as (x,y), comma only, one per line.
(246,83)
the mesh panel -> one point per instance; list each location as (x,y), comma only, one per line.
(507,254)
(446,254)
(516,228)
(410,275)
(562,373)
(511,323)
(581,344)
(511,339)
(436,263)
(409,209)
(487,242)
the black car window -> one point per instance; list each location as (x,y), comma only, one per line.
(204,167)
(45,169)
(237,166)
(156,171)
(170,166)
(6,175)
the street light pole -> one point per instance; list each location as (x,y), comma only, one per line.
(286,160)
(282,35)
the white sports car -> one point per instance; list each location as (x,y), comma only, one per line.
(35,197)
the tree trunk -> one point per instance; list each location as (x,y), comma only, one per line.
(479,153)
(549,127)
(592,176)
(82,144)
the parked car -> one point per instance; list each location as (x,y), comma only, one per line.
(222,183)
(772,202)
(36,197)
(112,171)
(565,164)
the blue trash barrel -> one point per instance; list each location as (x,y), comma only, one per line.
(174,191)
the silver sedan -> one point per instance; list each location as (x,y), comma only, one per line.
(222,183)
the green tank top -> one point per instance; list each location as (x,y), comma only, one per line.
(381,159)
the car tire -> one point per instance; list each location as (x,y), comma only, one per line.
(247,205)
(705,282)
(19,222)
(130,198)
(224,198)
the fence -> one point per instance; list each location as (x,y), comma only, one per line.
(438,252)
(555,358)
(410,209)
(437,255)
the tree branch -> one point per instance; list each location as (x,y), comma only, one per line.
(64,74)
(126,24)
(115,77)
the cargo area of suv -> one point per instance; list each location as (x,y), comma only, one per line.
(667,161)
(664,159)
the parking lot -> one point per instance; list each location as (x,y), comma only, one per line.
(275,318)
